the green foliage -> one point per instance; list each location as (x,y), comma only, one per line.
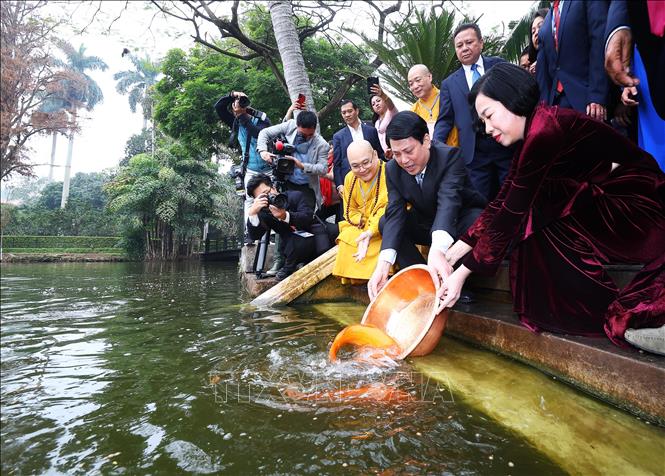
(61,242)
(137,83)
(193,81)
(108,251)
(85,213)
(167,199)
(137,144)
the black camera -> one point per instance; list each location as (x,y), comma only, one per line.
(279,200)
(281,166)
(236,173)
(243,102)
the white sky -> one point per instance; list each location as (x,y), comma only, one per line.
(104,131)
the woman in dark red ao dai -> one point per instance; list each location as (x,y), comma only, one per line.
(577,195)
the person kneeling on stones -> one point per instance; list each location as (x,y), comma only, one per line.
(364,203)
(291,216)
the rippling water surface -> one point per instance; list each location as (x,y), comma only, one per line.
(161,369)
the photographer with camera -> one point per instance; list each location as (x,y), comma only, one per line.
(306,151)
(288,214)
(245,124)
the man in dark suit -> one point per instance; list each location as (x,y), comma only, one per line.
(354,130)
(291,220)
(430,177)
(570,70)
(486,161)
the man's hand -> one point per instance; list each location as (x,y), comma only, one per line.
(456,251)
(532,67)
(363,242)
(267,156)
(388,154)
(452,287)
(237,110)
(297,162)
(597,111)
(260,203)
(617,58)
(340,191)
(626,94)
(378,279)
(439,269)
(278,213)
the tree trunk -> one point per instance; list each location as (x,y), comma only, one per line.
(53,144)
(295,74)
(68,165)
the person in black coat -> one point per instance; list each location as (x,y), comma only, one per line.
(292,220)
(431,201)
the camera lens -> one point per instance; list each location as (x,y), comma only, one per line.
(243,101)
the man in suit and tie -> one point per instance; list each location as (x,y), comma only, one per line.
(353,131)
(571,57)
(430,201)
(486,161)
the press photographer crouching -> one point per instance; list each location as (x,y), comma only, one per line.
(291,217)
(309,155)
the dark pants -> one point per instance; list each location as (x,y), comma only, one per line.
(417,232)
(489,166)
(306,190)
(298,249)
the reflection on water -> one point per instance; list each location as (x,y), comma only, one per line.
(161,369)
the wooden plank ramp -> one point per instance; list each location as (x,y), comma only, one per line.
(299,282)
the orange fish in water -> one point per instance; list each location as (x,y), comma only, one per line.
(359,335)
(375,392)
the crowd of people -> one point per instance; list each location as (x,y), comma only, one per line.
(533,163)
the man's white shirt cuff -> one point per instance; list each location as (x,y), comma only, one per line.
(609,37)
(441,240)
(389,255)
(253,220)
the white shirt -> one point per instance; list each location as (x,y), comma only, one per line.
(357,134)
(469,74)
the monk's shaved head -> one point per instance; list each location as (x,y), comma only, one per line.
(359,149)
(420,81)
(418,69)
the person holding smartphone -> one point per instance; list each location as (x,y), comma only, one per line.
(384,110)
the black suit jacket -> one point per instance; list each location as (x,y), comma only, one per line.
(635,15)
(341,140)
(454,110)
(300,217)
(445,193)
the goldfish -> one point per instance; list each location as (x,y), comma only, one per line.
(361,335)
(375,392)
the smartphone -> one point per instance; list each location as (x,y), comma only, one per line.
(301,99)
(371,81)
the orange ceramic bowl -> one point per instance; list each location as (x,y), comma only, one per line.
(405,309)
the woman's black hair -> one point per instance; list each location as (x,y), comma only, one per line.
(533,52)
(406,124)
(375,115)
(512,86)
(257,180)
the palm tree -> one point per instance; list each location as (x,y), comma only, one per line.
(137,83)
(288,44)
(82,92)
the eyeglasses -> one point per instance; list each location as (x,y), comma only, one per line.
(361,165)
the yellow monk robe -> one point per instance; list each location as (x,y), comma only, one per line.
(363,205)
(429,110)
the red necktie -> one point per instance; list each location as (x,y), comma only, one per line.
(557,18)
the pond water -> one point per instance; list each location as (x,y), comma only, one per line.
(127,368)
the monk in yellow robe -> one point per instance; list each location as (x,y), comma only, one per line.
(364,201)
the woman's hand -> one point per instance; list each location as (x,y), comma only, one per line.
(627,96)
(452,287)
(363,242)
(456,252)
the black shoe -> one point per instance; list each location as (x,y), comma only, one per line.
(466,297)
(284,273)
